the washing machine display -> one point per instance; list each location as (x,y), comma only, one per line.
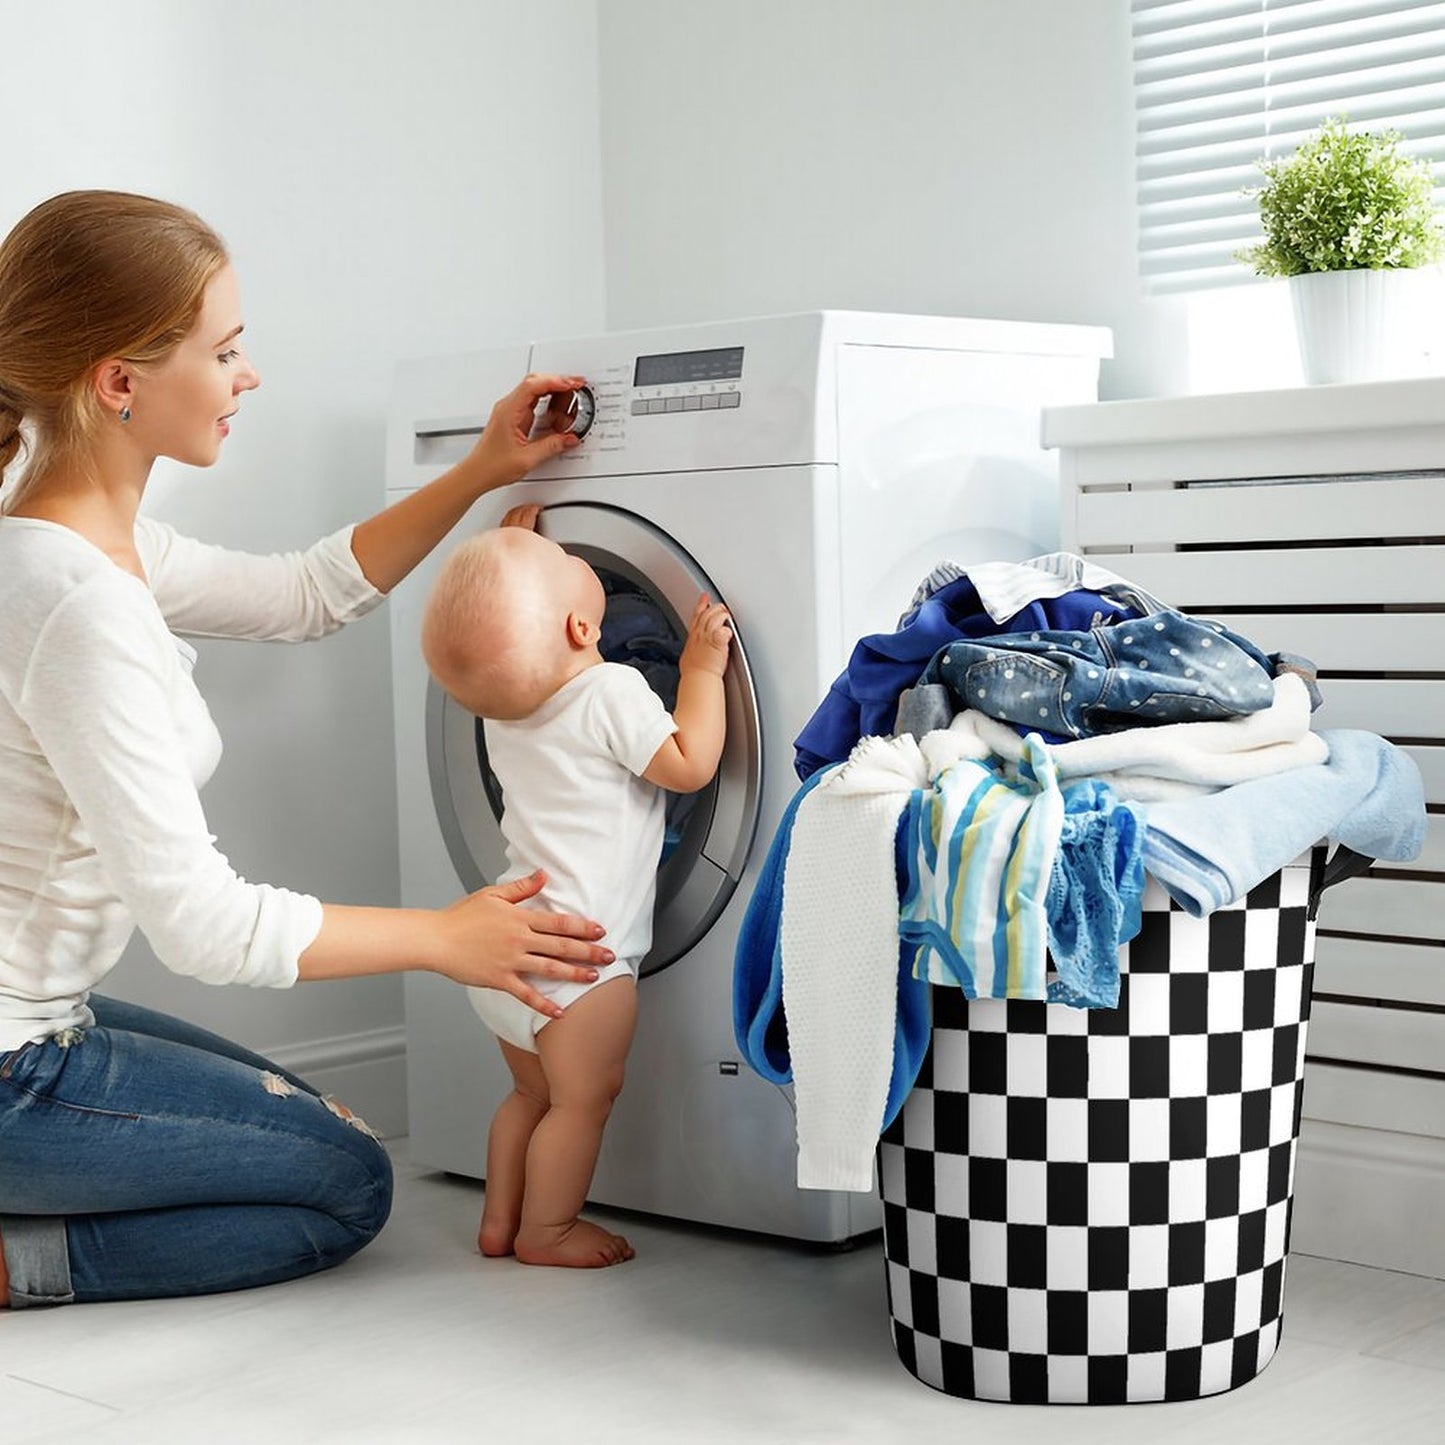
(869,449)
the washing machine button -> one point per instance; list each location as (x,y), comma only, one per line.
(572,411)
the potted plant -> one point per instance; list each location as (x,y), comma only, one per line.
(1344,217)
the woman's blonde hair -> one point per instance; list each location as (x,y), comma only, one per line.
(85,276)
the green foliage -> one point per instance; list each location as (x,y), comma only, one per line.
(1345,202)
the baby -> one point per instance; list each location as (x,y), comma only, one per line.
(582,749)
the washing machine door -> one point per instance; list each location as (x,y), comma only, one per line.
(652,585)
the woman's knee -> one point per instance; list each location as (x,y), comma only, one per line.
(379,1195)
(363,1196)
(339,1164)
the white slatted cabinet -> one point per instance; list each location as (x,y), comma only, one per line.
(1313,521)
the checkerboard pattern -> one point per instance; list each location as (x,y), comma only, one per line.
(1088,1206)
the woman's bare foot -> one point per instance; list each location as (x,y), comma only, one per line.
(578,1245)
(496,1236)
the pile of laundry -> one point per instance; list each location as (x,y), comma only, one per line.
(984,790)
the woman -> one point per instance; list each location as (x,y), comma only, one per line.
(139,1156)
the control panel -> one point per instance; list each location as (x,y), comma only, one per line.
(665,383)
(653,384)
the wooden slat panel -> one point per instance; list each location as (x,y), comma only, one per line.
(1413,507)
(1401,907)
(1285,577)
(1306,418)
(1351,641)
(1398,1037)
(1123,505)
(1368,968)
(1366,1099)
(1394,708)
(1414,449)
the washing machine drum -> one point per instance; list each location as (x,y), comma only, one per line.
(651,585)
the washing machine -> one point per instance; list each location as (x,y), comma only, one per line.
(808,471)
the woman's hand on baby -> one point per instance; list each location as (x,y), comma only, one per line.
(506,450)
(708,636)
(492,943)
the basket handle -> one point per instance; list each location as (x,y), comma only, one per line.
(1343,863)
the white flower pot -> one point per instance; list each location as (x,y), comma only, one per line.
(1351,325)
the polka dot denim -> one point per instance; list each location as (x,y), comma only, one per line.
(1163,668)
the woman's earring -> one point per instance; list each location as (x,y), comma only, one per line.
(124,414)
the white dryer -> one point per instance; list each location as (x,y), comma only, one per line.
(808,471)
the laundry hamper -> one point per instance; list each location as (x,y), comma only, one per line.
(1092,1206)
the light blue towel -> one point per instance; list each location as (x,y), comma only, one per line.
(1209,851)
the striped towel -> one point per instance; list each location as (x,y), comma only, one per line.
(982,853)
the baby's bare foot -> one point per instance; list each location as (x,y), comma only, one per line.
(578,1245)
(496,1236)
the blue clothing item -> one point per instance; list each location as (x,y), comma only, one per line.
(863,700)
(1163,668)
(144,1157)
(759,1024)
(1095,898)
(636,633)
(1209,851)
(1006,587)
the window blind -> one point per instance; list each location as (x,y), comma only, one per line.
(1220,84)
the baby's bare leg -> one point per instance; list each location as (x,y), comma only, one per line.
(511,1132)
(582,1055)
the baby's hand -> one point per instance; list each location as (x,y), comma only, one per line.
(525,514)
(708,635)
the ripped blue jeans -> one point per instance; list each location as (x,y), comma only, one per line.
(145,1157)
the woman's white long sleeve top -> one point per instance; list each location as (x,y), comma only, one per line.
(104,745)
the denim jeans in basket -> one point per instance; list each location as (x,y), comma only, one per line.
(144,1157)
(1164,668)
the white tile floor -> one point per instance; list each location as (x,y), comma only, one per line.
(704,1338)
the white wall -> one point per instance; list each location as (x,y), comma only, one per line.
(970,157)
(386,179)
(450,174)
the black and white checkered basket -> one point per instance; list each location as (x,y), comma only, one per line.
(1089,1206)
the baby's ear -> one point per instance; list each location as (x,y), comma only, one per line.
(581,631)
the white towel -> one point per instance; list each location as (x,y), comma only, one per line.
(839,940)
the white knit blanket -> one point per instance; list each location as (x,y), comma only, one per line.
(839,940)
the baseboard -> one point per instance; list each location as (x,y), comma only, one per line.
(1370,1196)
(1367,1196)
(366,1072)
